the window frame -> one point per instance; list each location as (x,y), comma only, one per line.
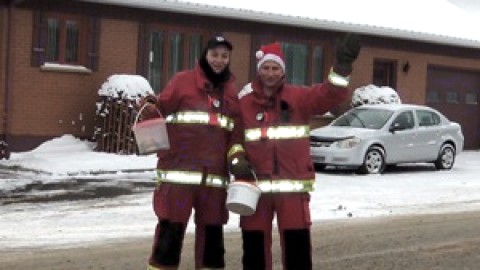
(63,19)
(168,31)
(434,118)
(88,42)
(310,63)
(388,68)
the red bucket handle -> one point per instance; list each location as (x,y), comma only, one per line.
(142,108)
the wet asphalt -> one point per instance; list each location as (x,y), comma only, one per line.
(26,186)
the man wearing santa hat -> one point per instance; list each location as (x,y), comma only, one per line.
(272,147)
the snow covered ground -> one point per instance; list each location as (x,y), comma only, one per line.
(409,189)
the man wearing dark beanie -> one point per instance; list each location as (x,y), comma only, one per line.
(192,174)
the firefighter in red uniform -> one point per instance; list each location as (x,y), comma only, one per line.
(193,173)
(273,137)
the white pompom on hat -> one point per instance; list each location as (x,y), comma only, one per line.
(270,52)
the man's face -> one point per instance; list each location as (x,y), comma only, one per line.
(218,58)
(271,73)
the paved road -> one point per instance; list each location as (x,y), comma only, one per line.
(36,187)
(430,242)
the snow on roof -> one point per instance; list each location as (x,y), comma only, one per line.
(436,21)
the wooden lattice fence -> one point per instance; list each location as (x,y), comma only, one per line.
(114,120)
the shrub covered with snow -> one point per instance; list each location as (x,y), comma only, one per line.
(117,108)
(124,86)
(371,94)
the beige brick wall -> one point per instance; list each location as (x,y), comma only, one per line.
(240,64)
(411,86)
(51,103)
(48,103)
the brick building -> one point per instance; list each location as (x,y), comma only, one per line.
(55,55)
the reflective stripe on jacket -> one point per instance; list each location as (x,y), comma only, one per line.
(282,185)
(191,178)
(277,133)
(199,124)
(275,130)
(201,118)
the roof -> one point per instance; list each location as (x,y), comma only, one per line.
(433,21)
(396,107)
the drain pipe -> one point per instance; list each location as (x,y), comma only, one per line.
(4,150)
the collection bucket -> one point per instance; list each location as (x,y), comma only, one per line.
(151,135)
(242,197)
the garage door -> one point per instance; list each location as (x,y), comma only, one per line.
(455,93)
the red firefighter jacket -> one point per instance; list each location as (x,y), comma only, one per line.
(199,125)
(274,132)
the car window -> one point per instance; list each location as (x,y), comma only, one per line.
(404,120)
(364,118)
(427,118)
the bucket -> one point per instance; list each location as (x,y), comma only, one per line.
(242,197)
(151,135)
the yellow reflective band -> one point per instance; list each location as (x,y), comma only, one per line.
(278,133)
(338,80)
(151,267)
(193,117)
(286,185)
(236,148)
(190,178)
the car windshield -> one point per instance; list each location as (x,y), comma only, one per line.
(363,118)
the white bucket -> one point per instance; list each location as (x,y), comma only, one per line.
(242,197)
(151,135)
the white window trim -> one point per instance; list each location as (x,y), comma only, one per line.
(64,68)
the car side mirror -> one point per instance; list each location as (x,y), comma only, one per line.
(395,127)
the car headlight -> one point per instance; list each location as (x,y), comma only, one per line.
(348,143)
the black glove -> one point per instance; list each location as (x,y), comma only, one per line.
(346,51)
(240,167)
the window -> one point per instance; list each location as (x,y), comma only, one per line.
(404,120)
(304,62)
(452,97)
(433,96)
(169,51)
(296,62)
(176,46)
(155,63)
(195,49)
(318,64)
(65,39)
(471,98)
(427,118)
(384,73)
(364,118)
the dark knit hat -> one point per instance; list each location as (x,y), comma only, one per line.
(217,40)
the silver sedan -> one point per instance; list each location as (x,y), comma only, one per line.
(370,137)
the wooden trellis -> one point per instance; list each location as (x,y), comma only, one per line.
(114,120)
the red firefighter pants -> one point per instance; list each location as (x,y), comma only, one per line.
(173,204)
(292,213)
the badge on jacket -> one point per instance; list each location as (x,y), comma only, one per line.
(260,116)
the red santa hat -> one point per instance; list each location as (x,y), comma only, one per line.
(270,52)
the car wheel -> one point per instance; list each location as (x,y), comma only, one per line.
(374,161)
(446,158)
(319,167)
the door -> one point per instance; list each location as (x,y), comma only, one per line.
(170,50)
(454,93)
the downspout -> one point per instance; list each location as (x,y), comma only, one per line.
(4,151)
